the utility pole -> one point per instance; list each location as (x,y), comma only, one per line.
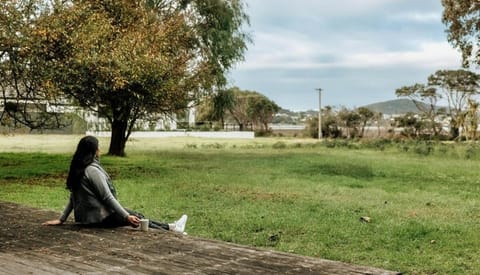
(319,113)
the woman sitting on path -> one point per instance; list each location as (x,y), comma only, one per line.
(93,196)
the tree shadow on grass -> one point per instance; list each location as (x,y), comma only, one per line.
(356,171)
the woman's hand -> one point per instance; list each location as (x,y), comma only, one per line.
(133,220)
(53,222)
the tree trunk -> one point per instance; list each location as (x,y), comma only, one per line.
(363,129)
(265,125)
(454,129)
(455,132)
(118,139)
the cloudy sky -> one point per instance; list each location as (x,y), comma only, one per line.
(357,51)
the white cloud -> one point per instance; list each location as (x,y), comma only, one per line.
(289,50)
(290,39)
(435,55)
(296,51)
(318,7)
(419,17)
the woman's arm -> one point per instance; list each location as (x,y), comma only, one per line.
(66,212)
(68,209)
(53,222)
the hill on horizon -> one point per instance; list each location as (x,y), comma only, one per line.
(390,107)
(396,106)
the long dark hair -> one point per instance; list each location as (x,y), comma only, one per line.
(84,156)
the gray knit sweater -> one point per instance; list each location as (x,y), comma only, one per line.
(95,198)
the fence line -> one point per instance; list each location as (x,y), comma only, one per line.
(163,134)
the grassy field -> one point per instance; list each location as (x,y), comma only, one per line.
(298,196)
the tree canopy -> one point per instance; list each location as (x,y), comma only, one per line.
(242,107)
(131,60)
(425,99)
(25,91)
(462,19)
(458,87)
(251,107)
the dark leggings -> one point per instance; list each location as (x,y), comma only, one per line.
(115,220)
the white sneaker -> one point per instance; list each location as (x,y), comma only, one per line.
(180,224)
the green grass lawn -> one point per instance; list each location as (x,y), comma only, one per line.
(297,196)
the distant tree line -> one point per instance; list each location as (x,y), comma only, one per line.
(458,90)
(247,109)
(344,123)
(447,105)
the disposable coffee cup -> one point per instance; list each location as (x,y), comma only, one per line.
(144,224)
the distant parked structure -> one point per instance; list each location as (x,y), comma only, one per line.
(93,122)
